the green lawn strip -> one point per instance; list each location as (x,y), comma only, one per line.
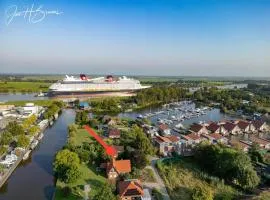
(89,176)
(81,136)
(46,102)
(182,176)
(24,86)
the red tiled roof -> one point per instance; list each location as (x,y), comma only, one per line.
(193,136)
(163,127)
(243,124)
(216,136)
(173,138)
(229,126)
(130,188)
(258,123)
(114,132)
(213,127)
(121,166)
(196,127)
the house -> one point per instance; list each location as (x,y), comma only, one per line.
(192,138)
(198,128)
(215,138)
(84,105)
(117,167)
(119,149)
(164,129)
(263,143)
(130,190)
(259,125)
(244,126)
(213,128)
(109,121)
(114,133)
(166,144)
(232,128)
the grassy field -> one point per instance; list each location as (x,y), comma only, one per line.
(46,102)
(89,175)
(181,176)
(24,86)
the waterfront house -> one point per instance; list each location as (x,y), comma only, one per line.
(213,128)
(198,128)
(117,167)
(244,126)
(260,125)
(192,138)
(232,128)
(215,138)
(263,143)
(114,133)
(164,129)
(130,189)
(167,144)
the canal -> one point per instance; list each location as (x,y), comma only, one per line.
(34,180)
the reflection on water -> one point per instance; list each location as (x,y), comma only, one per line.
(33,179)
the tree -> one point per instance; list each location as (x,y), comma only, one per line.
(6,138)
(14,128)
(255,153)
(29,122)
(33,130)
(23,141)
(104,193)
(263,196)
(3,150)
(66,166)
(202,192)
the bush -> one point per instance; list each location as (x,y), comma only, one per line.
(202,192)
(66,191)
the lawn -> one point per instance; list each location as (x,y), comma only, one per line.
(89,176)
(182,175)
(24,86)
(46,102)
(81,136)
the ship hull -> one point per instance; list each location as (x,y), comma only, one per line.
(90,93)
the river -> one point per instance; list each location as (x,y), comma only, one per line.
(34,180)
(19,97)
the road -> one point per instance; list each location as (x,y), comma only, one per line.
(159,182)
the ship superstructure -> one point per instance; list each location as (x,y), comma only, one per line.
(102,85)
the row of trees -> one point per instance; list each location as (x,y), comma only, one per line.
(54,108)
(229,164)
(232,100)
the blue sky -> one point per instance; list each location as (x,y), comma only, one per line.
(139,37)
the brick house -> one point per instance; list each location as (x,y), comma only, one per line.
(215,138)
(164,129)
(199,129)
(167,144)
(260,125)
(117,167)
(232,128)
(130,190)
(114,133)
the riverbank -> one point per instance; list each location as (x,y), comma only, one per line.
(23,87)
(34,178)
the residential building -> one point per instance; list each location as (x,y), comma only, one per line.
(260,125)
(164,129)
(117,167)
(199,129)
(215,138)
(232,128)
(114,133)
(244,126)
(166,145)
(130,190)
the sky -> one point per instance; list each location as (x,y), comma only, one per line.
(136,37)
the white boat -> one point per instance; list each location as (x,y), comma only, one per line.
(40,136)
(26,155)
(34,144)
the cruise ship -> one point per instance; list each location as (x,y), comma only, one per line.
(101,86)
